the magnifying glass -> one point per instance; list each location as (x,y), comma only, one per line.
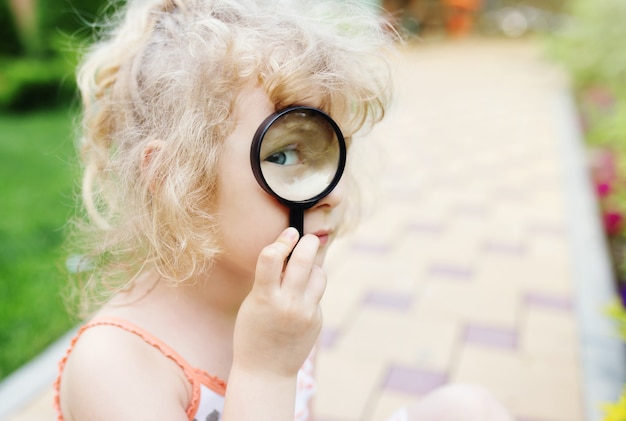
(298,155)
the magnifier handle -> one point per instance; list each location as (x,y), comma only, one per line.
(296,220)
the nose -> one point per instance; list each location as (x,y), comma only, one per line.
(334,198)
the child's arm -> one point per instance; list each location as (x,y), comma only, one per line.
(276,328)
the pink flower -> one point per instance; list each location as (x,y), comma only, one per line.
(603,166)
(613,222)
(603,189)
(600,97)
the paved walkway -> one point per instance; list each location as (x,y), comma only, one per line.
(464,269)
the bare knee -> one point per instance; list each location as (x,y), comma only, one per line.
(458,402)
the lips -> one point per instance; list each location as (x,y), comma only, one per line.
(324,237)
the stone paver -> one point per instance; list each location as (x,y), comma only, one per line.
(39,410)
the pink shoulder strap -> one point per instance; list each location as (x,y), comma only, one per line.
(195,376)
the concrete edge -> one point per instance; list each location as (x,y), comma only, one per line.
(26,384)
(602,351)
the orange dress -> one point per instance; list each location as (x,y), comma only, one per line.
(207,397)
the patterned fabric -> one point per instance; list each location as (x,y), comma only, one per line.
(206,402)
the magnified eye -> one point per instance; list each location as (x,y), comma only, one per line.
(286,156)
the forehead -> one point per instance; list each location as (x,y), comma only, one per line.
(254,102)
(283,96)
(251,107)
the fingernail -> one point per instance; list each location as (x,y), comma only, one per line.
(290,233)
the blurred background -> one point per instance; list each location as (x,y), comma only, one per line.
(41,42)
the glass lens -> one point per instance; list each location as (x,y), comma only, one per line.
(299,155)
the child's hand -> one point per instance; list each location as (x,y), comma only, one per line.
(280,320)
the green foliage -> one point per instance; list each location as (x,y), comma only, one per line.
(592,45)
(591,48)
(72,17)
(37,69)
(552,5)
(609,128)
(9,41)
(73,20)
(36,152)
(29,83)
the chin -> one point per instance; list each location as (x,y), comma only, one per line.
(321,256)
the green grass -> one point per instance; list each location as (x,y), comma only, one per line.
(37,179)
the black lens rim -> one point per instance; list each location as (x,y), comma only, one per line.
(255,156)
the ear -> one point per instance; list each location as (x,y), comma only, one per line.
(150,151)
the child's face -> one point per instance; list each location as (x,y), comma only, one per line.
(248,217)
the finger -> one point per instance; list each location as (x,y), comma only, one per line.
(316,285)
(271,261)
(300,264)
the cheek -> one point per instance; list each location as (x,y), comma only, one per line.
(250,221)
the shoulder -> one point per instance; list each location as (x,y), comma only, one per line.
(114,374)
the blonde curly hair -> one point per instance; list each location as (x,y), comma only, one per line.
(171,70)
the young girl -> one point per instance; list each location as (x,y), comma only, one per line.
(191,278)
